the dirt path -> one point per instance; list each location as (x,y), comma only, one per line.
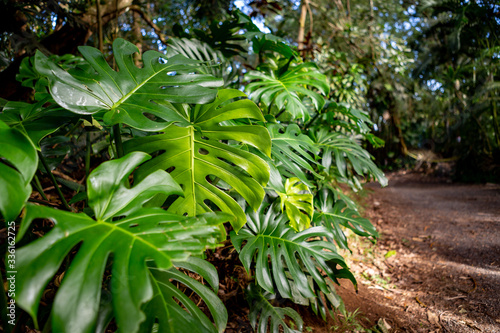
(445,274)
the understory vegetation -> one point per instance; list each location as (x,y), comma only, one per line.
(126,165)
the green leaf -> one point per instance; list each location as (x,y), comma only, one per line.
(269,315)
(268,236)
(214,62)
(268,42)
(285,90)
(125,230)
(297,200)
(200,151)
(292,151)
(171,316)
(390,254)
(326,302)
(335,216)
(130,94)
(347,154)
(35,120)
(15,186)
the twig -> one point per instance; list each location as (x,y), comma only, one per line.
(419,302)
(150,22)
(39,188)
(54,181)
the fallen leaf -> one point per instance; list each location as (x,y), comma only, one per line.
(433,318)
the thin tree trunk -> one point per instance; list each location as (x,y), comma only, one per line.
(99,25)
(302,25)
(136,31)
(348,3)
(372,18)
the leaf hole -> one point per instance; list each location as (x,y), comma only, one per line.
(209,204)
(203,151)
(171,169)
(133,225)
(162,60)
(204,137)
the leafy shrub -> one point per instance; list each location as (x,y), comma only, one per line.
(185,153)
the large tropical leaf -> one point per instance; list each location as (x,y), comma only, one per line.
(293,151)
(35,120)
(124,232)
(323,303)
(165,310)
(336,216)
(268,315)
(348,155)
(199,153)
(293,255)
(297,200)
(286,89)
(15,177)
(130,95)
(214,62)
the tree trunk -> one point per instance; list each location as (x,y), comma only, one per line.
(302,25)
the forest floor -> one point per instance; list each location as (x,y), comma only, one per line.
(436,266)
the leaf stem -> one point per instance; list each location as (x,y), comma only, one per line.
(38,187)
(312,120)
(87,155)
(72,129)
(54,181)
(118,140)
(280,113)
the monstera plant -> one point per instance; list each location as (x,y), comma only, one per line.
(150,161)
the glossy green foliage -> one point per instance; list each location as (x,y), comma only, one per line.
(35,120)
(214,62)
(263,315)
(16,173)
(287,86)
(203,154)
(122,229)
(29,77)
(297,201)
(293,152)
(285,258)
(164,308)
(130,94)
(348,155)
(335,216)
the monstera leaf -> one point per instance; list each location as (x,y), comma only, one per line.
(323,303)
(269,315)
(130,95)
(213,61)
(337,216)
(297,200)
(198,155)
(286,89)
(347,153)
(268,236)
(35,120)
(292,151)
(20,153)
(124,232)
(164,308)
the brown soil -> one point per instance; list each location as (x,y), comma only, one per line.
(445,275)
